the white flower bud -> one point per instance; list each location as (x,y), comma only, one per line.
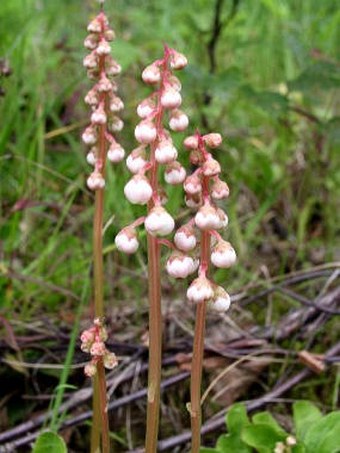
(174,82)
(90,61)
(174,173)
(200,290)
(291,441)
(178,121)
(113,68)
(138,190)
(91,41)
(185,238)
(99,116)
(94,26)
(145,132)
(95,181)
(193,201)
(109,34)
(98,348)
(91,158)
(92,97)
(103,48)
(191,142)
(207,218)
(89,136)
(178,60)
(126,240)
(110,360)
(180,265)
(116,124)
(219,189)
(171,98)
(212,140)
(151,74)
(145,108)
(165,152)
(211,167)
(221,302)
(159,222)
(116,104)
(90,370)
(104,85)
(115,153)
(192,184)
(223,255)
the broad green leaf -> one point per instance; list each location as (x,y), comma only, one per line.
(231,443)
(266,418)
(263,437)
(304,413)
(49,442)
(236,418)
(324,435)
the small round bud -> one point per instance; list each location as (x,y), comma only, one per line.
(95,181)
(221,302)
(109,34)
(94,26)
(98,348)
(92,97)
(103,48)
(171,98)
(90,370)
(90,61)
(91,158)
(159,222)
(174,173)
(112,67)
(136,160)
(151,74)
(115,153)
(211,167)
(200,290)
(191,142)
(145,108)
(180,265)
(110,360)
(212,140)
(223,254)
(219,189)
(116,124)
(196,158)
(99,116)
(91,41)
(178,60)
(126,240)
(207,218)
(104,85)
(165,152)
(193,201)
(185,238)
(192,184)
(138,190)
(178,121)
(145,132)
(116,104)
(174,82)
(291,441)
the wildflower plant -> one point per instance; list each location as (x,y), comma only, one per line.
(155,149)
(198,245)
(99,136)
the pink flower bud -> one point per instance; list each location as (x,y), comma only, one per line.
(136,160)
(116,124)
(145,108)
(178,121)
(115,153)
(146,132)
(90,61)
(110,360)
(103,48)
(171,98)
(165,152)
(126,240)
(159,222)
(211,167)
(91,41)
(193,201)
(138,190)
(116,104)
(207,218)
(109,34)
(192,184)
(200,290)
(91,158)
(196,158)
(89,136)
(223,255)
(98,348)
(185,238)
(90,370)
(221,302)
(151,74)
(212,140)
(180,265)
(174,173)
(112,67)
(92,97)
(95,181)
(94,26)
(104,85)
(178,60)
(99,116)
(191,142)
(219,189)
(174,82)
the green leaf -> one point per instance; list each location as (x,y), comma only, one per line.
(231,443)
(236,418)
(49,442)
(208,450)
(304,413)
(298,448)
(324,434)
(263,437)
(321,75)
(266,418)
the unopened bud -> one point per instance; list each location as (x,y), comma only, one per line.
(99,116)
(191,142)
(192,184)
(211,167)
(178,60)
(207,218)
(126,240)
(115,153)
(110,360)
(174,173)
(89,136)
(185,238)
(180,265)
(138,190)
(145,132)
(145,108)
(90,370)
(223,254)
(159,222)
(212,140)
(95,181)
(171,98)
(117,124)
(103,48)
(165,152)
(200,290)
(221,301)
(219,189)
(178,121)
(151,74)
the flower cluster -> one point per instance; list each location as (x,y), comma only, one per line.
(103,100)
(93,342)
(155,148)
(203,189)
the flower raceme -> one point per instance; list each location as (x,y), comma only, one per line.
(103,100)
